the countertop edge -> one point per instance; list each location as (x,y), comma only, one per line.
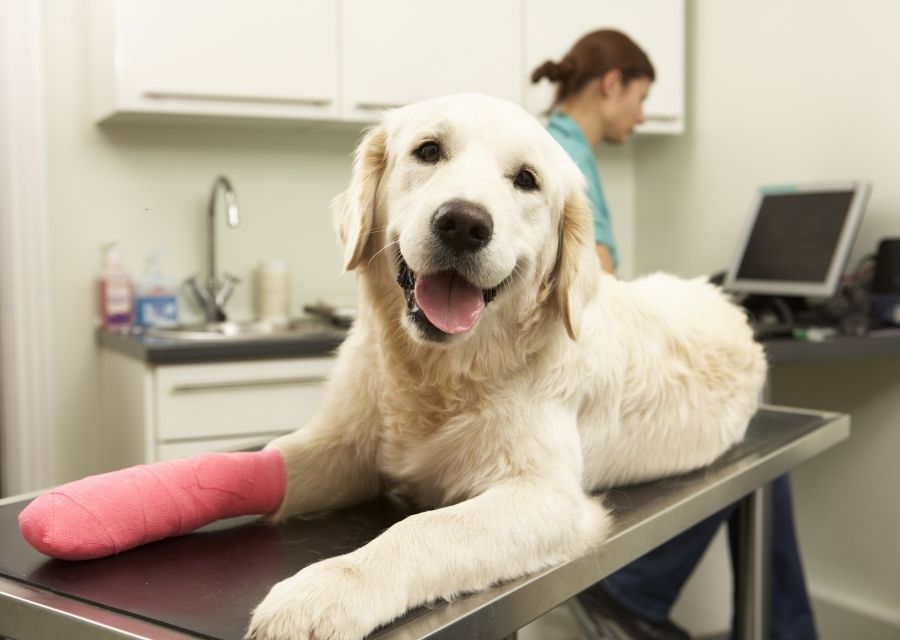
(162,351)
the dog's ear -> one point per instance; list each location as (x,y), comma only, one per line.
(574,281)
(354,209)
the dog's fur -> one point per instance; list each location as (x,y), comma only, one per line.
(570,380)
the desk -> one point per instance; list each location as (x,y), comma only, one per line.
(204,584)
(788,350)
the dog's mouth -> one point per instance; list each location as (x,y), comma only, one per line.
(444,303)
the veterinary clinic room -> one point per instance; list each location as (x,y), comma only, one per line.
(471,320)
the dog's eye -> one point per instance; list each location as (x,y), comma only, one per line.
(429,152)
(525,180)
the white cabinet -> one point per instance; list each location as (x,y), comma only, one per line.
(347,60)
(159,412)
(273,59)
(552,27)
(394,52)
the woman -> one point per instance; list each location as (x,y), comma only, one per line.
(601,87)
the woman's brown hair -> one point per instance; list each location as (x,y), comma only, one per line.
(592,57)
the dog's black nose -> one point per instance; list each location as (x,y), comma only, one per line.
(462,226)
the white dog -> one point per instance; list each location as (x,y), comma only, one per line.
(494,372)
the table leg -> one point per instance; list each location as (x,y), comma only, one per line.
(754,565)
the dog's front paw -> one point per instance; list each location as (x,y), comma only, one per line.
(331,600)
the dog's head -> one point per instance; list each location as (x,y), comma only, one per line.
(470,205)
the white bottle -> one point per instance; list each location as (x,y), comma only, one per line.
(272,291)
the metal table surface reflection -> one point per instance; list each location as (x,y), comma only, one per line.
(205,584)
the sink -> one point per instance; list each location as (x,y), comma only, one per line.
(249,330)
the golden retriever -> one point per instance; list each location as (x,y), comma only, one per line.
(494,372)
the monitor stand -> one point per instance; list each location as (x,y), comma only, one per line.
(785,311)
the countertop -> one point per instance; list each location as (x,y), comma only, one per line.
(326,338)
(320,340)
(875,343)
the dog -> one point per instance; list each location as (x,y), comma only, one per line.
(495,374)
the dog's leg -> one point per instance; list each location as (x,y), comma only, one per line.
(330,463)
(511,529)
(325,470)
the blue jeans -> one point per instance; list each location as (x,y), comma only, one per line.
(649,585)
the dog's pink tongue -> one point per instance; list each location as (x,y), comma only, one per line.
(449,302)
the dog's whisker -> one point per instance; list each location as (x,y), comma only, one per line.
(378,229)
(378,253)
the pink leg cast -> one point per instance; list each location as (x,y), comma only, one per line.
(109,513)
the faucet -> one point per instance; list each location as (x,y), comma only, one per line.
(215,294)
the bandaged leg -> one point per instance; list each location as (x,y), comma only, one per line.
(109,513)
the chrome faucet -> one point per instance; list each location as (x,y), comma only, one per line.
(215,294)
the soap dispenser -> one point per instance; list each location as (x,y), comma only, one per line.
(114,291)
(155,301)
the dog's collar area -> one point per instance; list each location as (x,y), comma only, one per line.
(406,278)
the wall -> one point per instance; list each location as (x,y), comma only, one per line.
(617,174)
(780,92)
(147,186)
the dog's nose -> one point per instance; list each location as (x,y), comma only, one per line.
(462,226)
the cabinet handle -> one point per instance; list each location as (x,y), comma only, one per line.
(377,106)
(232,384)
(661,118)
(215,97)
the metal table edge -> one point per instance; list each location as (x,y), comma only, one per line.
(27,612)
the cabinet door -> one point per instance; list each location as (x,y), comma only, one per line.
(552,27)
(394,52)
(223,57)
(237,400)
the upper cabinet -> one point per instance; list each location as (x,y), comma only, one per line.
(276,59)
(394,52)
(552,27)
(347,60)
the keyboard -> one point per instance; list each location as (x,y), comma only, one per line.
(765,330)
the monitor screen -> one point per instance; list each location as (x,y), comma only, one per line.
(798,240)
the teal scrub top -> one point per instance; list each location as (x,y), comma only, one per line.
(570,136)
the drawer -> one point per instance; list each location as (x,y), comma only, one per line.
(237,399)
(172,450)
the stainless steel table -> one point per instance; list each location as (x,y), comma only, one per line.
(205,584)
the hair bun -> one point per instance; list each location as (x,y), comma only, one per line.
(553,71)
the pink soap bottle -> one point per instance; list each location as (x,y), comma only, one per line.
(115,294)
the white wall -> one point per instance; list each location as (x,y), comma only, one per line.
(782,91)
(617,175)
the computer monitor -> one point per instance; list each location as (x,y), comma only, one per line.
(798,239)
